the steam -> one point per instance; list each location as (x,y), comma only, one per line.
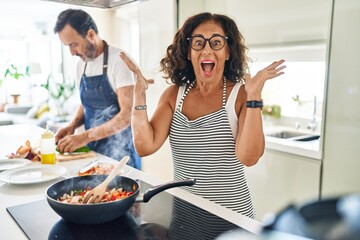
(116,146)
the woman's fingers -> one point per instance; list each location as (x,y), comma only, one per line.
(131,65)
(135,69)
(275,64)
(273,70)
(254,85)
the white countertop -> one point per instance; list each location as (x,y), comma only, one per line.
(310,149)
(12,136)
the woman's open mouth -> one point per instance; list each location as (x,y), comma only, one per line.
(207,66)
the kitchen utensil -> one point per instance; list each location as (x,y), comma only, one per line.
(101,212)
(96,194)
(88,167)
(331,218)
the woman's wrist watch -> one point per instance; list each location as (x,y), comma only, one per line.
(254,104)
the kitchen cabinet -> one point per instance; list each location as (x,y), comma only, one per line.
(342,129)
(280,179)
(273,21)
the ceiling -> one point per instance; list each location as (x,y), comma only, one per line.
(96,3)
(17,17)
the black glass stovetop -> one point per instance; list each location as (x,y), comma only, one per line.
(163,217)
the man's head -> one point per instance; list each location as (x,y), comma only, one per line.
(78,30)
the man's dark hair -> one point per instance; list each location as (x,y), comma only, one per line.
(77,19)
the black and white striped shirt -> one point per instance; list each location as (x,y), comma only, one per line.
(204,149)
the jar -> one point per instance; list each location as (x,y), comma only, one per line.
(47,148)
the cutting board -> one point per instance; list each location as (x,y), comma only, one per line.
(74,156)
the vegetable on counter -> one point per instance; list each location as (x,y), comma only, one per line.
(83,149)
(26,151)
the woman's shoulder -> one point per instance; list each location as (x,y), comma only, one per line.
(171,91)
(169,95)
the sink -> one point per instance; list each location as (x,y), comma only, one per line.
(294,135)
(286,134)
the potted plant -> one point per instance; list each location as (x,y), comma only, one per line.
(11,72)
(59,92)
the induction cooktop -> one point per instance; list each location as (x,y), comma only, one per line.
(163,217)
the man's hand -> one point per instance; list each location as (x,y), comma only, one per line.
(64,132)
(71,143)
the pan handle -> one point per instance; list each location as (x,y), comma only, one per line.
(157,189)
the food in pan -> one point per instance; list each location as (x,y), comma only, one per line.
(77,196)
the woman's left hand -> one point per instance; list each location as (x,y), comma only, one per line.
(254,85)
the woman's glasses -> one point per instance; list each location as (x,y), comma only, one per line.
(216,42)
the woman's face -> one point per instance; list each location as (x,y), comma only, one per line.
(209,63)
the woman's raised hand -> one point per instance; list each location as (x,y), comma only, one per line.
(254,85)
(141,82)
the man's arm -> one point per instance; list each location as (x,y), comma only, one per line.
(119,122)
(76,122)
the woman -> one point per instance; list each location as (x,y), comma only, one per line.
(212,113)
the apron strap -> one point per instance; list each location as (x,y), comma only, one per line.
(105,62)
(106,54)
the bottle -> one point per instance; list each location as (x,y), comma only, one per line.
(47,148)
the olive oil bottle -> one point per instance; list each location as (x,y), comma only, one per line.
(48,147)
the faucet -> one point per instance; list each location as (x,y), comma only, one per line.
(313,124)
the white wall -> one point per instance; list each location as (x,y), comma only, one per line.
(157,28)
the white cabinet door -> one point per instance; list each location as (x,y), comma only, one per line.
(276,21)
(280,179)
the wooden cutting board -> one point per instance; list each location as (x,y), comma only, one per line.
(74,156)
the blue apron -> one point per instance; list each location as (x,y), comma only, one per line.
(101,104)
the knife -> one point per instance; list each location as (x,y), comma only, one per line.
(89,166)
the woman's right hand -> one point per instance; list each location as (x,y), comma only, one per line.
(141,81)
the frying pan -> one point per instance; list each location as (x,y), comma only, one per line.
(101,212)
(330,218)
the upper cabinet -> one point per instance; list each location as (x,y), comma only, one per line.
(271,21)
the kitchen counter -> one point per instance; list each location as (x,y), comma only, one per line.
(310,149)
(13,136)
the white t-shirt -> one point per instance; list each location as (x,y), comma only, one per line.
(118,73)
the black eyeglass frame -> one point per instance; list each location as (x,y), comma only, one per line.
(207,40)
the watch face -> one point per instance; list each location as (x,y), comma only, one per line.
(140,107)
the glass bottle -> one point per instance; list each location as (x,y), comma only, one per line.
(48,147)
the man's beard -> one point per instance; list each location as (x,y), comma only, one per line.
(90,52)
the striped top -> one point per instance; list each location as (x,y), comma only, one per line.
(204,149)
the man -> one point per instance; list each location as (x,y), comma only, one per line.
(106,91)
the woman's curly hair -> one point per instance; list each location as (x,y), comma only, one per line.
(176,65)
